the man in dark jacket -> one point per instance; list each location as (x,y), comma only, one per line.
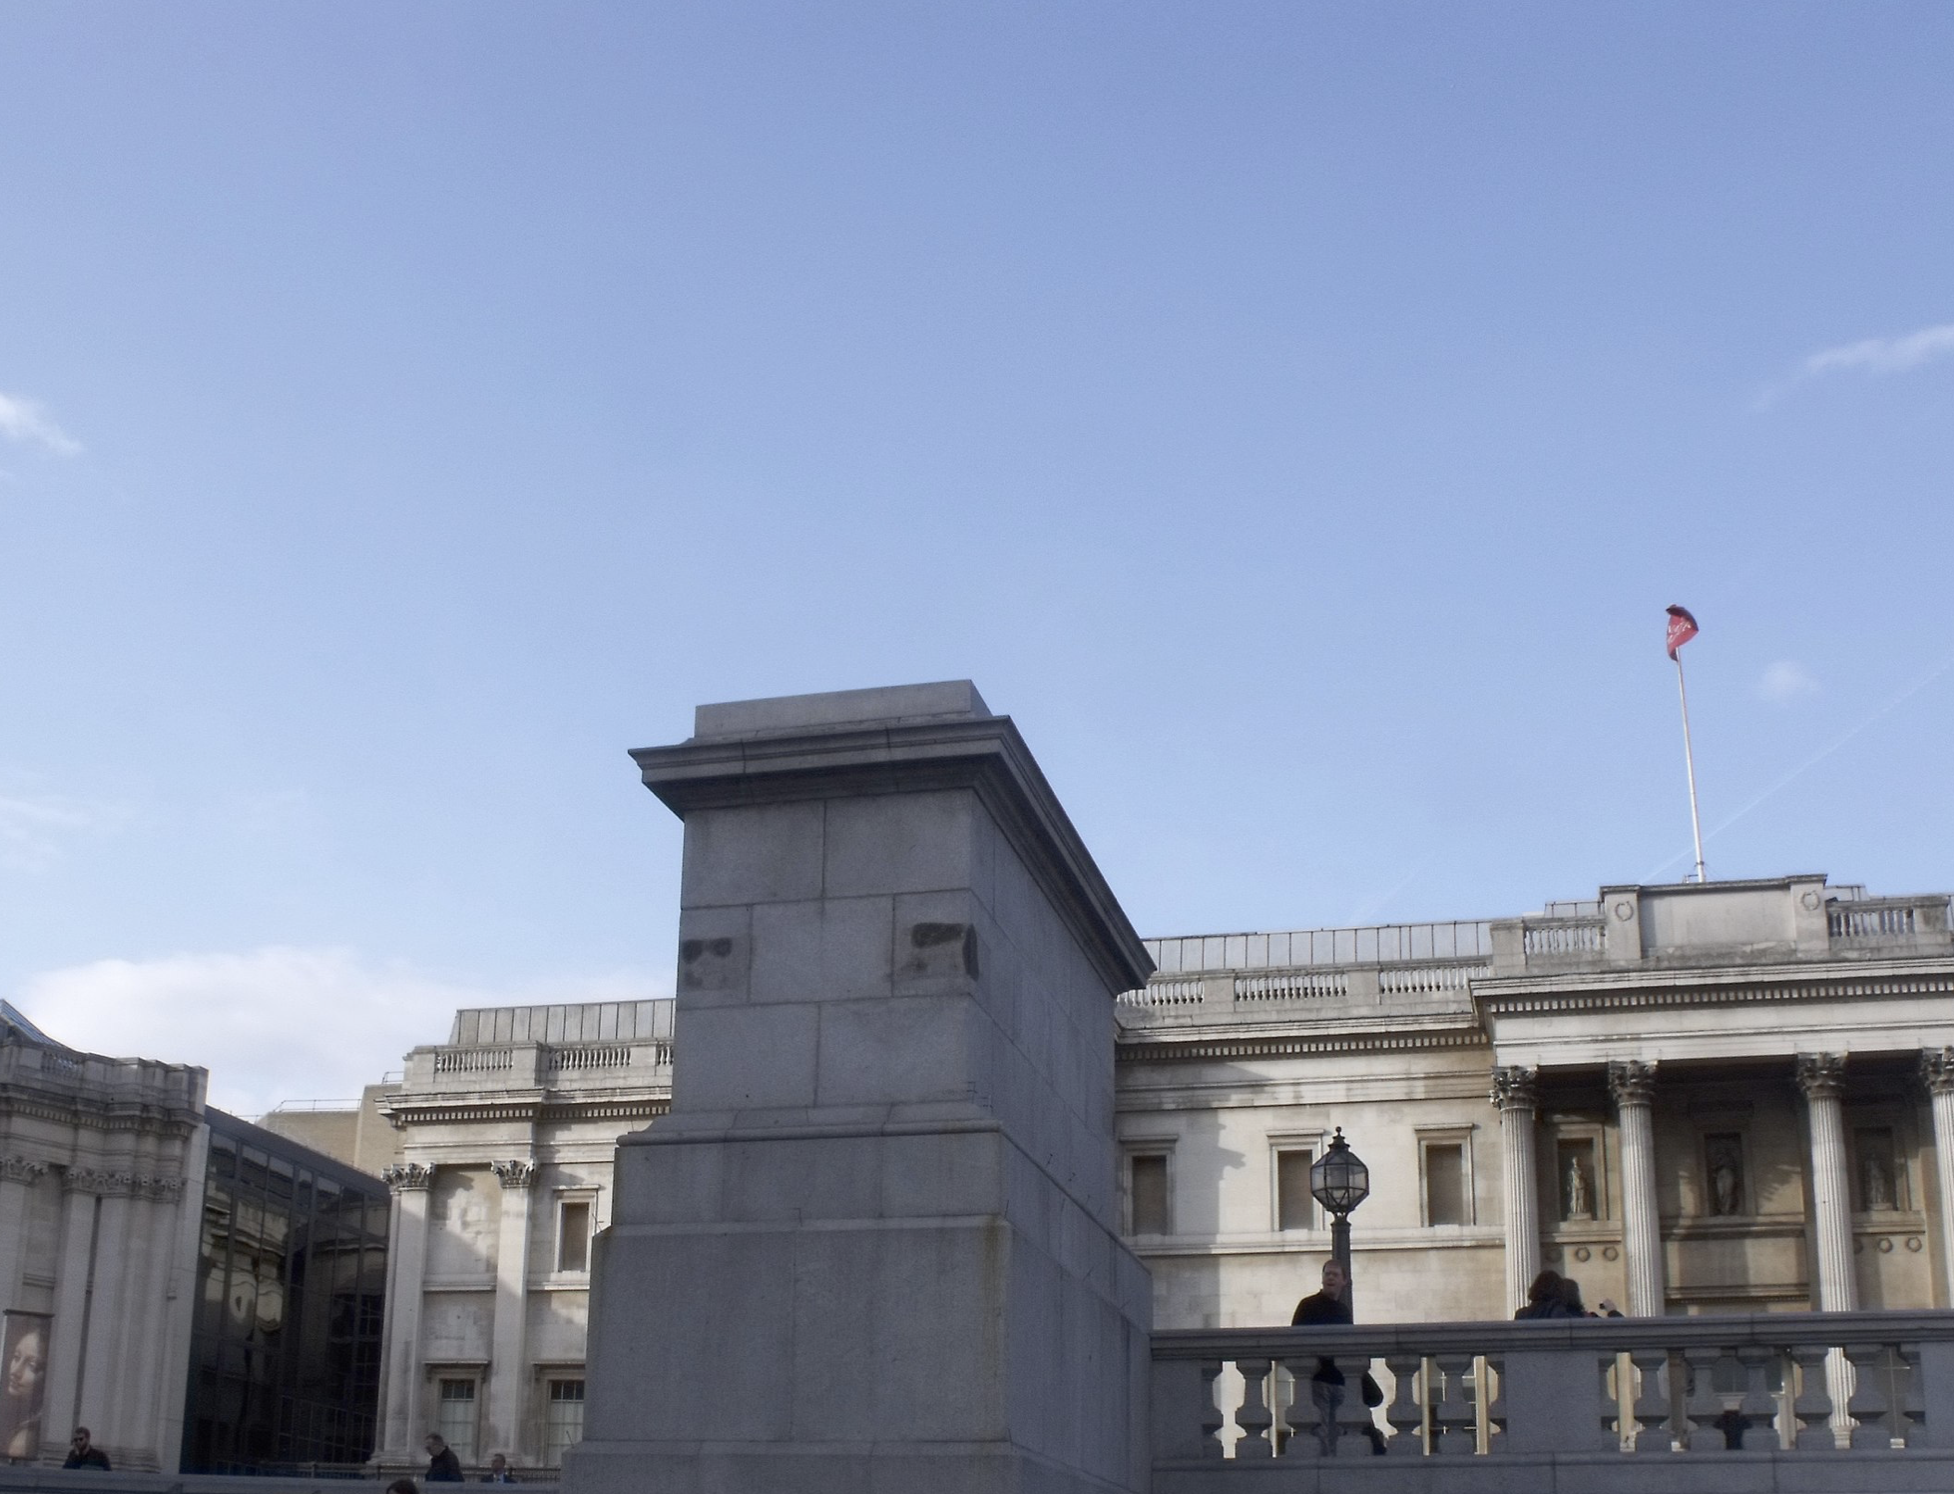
(1326,1386)
(443,1467)
(84,1454)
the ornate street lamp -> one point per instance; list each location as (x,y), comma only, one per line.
(1340,1181)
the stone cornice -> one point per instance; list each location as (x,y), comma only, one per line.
(984,754)
(434,1111)
(1211,1043)
(96,1113)
(1586,990)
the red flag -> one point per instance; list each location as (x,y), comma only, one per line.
(1682,628)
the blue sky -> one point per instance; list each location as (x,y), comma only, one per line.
(1296,416)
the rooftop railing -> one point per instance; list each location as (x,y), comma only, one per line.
(1379,944)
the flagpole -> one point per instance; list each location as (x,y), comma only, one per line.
(1689,762)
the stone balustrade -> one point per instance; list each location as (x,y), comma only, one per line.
(519,1066)
(1854,1398)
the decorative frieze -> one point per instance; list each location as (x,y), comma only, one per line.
(405,1177)
(514,1173)
(20,1169)
(1516,1088)
(1821,1075)
(111,1184)
(1631,1082)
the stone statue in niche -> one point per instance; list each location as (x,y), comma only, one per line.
(1878,1185)
(1577,1196)
(1726,1157)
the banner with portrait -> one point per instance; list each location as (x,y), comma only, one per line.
(23,1382)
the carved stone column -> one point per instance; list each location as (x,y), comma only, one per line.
(1937,1070)
(400,1368)
(17,1178)
(81,1199)
(1514,1091)
(1633,1085)
(508,1354)
(1822,1078)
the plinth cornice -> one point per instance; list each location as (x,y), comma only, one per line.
(984,754)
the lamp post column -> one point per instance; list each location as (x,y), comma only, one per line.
(1516,1092)
(1633,1086)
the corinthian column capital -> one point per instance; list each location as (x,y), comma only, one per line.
(1516,1088)
(1937,1070)
(515,1173)
(404,1177)
(1631,1082)
(1821,1075)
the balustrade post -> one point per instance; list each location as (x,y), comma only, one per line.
(1354,1424)
(1871,1406)
(1705,1408)
(1453,1419)
(1813,1407)
(1302,1413)
(1759,1407)
(1652,1408)
(1253,1416)
(1406,1413)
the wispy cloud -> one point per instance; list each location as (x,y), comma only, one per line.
(1786,681)
(33,829)
(276,1023)
(1874,356)
(26,422)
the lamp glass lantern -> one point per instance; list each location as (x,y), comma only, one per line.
(1340,1180)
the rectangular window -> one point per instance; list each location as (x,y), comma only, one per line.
(1445,1195)
(1295,1208)
(455,1417)
(573,1235)
(1148,1195)
(562,1419)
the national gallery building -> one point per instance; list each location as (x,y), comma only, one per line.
(1735,1096)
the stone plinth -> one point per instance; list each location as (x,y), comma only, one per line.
(874,1245)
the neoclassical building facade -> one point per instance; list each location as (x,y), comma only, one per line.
(505,1140)
(1735,1096)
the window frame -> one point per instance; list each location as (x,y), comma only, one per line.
(1136,1151)
(1459,1136)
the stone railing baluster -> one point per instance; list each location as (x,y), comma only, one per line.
(1871,1405)
(1406,1413)
(1758,1429)
(1454,1421)
(1354,1424)
(1651,1400)
(1304,1418)
(1705,1406)
(1813,1407)
(1253,1416)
